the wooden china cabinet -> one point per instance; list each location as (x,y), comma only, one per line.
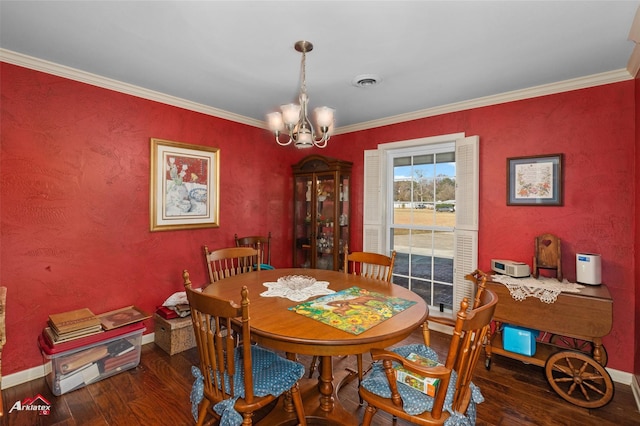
(321,212)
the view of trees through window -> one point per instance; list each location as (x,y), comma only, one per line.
(425,189)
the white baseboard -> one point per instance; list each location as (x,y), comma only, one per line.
(25,376)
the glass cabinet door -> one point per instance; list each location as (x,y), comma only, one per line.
(302,220)
(326,219)
(342,224)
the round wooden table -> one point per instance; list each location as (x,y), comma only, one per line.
(275,326)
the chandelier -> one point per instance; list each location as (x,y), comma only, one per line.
(294,119)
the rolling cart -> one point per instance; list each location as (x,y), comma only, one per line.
(571,350)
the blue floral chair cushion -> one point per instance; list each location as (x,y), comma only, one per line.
(416,402)
(272,375)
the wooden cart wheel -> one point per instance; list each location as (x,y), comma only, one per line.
(579,379)
(579,345)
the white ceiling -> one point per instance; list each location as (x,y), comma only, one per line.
(238,56)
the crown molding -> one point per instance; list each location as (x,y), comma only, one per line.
(516,95)
(118,86)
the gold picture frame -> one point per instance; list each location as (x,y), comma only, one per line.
(184,186)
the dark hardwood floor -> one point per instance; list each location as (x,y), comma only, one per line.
(156,393)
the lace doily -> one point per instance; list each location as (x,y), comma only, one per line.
(545,289)
(297,288)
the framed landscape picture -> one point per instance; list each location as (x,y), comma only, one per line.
(535,181)
(184,186)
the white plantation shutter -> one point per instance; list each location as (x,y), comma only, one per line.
(467,208)
(373,210)
(465,261)
(465,258)
(467,183)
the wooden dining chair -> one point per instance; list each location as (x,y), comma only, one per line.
(455,395)
(235,381)
(370,265)
(252,241)
(226,262)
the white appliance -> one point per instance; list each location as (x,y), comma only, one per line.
(511,268)
(588,268)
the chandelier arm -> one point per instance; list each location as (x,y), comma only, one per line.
(283,143)
(322,143)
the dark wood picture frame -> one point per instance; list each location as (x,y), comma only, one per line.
(535,180)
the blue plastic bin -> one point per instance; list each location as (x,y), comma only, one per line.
(519,339)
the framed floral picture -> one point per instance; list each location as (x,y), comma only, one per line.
(535,181)
(184,186)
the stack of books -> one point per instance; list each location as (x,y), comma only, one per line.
(176,311)
(72,325)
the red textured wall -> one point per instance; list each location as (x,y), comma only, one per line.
(75,201)
(595,130)
(75,220)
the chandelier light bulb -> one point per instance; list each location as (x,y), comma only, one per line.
(324,116)
(290,114)
(274,119)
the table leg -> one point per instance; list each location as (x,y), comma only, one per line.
(325,384)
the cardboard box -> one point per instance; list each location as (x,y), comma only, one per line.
(74,368)
(519,340)
(174,335)
(425,385)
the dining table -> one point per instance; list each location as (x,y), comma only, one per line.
(274,324)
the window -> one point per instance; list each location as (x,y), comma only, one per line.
(421,199)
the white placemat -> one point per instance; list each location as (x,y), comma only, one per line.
(545,289)
(297,288)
